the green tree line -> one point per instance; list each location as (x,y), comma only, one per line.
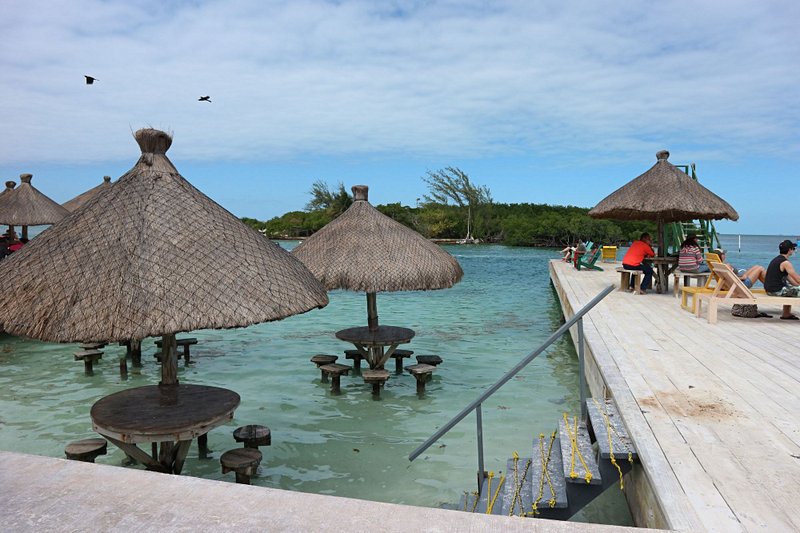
(455,208)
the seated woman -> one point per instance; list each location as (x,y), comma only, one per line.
(748,276)
(690,259)
(566,254)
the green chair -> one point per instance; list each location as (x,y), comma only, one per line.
(588,260)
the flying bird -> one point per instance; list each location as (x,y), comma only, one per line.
(204,99)
(90,80)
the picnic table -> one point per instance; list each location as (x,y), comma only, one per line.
(372,343)
(171,415)
(663,267)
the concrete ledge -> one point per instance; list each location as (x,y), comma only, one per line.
(49,494)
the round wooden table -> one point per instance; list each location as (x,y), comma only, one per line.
(372,343)
(172,415)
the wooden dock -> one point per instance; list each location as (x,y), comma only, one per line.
(713,410)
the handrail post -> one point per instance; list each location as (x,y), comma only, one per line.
(581,369)
(479,424)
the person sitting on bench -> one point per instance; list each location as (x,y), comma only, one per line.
(634,260)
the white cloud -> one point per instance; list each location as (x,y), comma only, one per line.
(446,78)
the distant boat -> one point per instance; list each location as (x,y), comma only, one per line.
(469,239)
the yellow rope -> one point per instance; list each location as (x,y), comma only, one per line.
(475,503)
(609,429)
(516,483)
(573,437)
(545,460)
(490,506)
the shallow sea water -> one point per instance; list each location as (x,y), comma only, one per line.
(348,445)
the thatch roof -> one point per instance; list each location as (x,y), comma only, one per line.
(364,250)
(26,206)
(9,187)
(663,193)
(84,197)
(155,256)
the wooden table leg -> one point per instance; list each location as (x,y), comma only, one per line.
(133,451)
(180,455)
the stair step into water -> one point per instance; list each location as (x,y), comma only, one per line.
(517,496)
(550,485)
(573,449)
(603,416)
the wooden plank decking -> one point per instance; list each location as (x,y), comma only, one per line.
(713,410)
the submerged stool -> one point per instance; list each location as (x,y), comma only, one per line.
(92,345)
(86,450)
(422,372)
(433,360)
(89,357)
(335,370)
(243,461)
(321,360)
(356,356)
(253,436)
(398,357)
(377,377)
(182,342)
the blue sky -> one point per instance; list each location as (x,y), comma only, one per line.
(544,102)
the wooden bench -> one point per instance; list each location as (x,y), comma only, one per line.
(422,373)
(86,450)
(335,371)
(322,360)
(356,356)
(398,356)
(377,378)
(253,436)
(243,461)
(625,279)
(683,279)
(433,360)
(89,357)
(182,342)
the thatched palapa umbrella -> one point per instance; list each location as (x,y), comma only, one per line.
(84,197)
(154,257)
(665,194)
(27,206)
(9,187)
(364,250)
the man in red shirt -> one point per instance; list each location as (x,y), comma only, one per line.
(635,256)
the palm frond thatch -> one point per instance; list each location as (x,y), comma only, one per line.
(364,250)
(663,193)
(27,206)
(155,256)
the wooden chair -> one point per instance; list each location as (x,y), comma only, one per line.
(708,288)
(609,254)
(737,294)
(588,260)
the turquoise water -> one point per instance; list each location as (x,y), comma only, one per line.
(347,445)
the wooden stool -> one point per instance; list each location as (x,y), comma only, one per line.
(92,345)
(433,360)
(684,279)
(625,279)
(243,461)
(86,450)
(253,436)
(182,342)
(335,370)
(398,357)
(422,372)
(89,357)
(321,360)
(377,377)
(356,356)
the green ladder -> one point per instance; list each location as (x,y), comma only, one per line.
(676,232)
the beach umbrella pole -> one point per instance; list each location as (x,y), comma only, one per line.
(372,311)
(169,360)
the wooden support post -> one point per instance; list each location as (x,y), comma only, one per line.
(136,353)
(123,368)
(169,360)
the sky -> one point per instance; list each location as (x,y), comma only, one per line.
(542,102)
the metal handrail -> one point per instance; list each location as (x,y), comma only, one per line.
(476,404)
